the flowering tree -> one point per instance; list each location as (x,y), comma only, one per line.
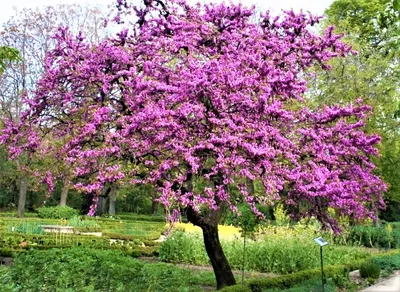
(196,99)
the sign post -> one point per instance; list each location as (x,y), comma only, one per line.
(321,242)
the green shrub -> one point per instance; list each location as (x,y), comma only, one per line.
(370,269)
(57,212)
(371,236)
(81,221)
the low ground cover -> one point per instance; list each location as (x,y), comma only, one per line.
(288,251)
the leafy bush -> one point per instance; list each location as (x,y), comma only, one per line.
(370,269)
(57,212)
(92,270)
(371,236)
(81,221)
(281,217)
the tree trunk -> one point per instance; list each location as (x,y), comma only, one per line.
(64,193)
(250,186)
(101,206)
(154,207)
(113,199)
(23,187)
(222,270)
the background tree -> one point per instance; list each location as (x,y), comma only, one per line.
(198,100)
(31,32)
(372,74)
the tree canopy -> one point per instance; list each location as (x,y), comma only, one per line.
(198,99)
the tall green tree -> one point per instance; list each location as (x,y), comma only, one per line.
(7,54)
(371,74)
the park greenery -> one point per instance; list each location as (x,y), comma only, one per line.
(199,147)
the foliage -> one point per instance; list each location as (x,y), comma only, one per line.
(91,270)
(7,54)
(382,236)
(388,263)
(57,212)
(80,221)
(356,17)
(245,219)
(277,255)
(281,217)
(371,27)
(27,228)
(370,269)
(7,283)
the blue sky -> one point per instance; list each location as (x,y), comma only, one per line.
(314,6)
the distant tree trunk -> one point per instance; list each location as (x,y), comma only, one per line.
(222,270)
(64,192)
(154,207)
(250,186)
(101,206)
(23,187)
(112,200)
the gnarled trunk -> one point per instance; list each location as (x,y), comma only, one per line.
(64,192)
(23,187)
(222,270)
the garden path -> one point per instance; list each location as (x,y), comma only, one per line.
(389,285)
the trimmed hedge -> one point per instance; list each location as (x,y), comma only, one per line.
(290,280)
(388,260)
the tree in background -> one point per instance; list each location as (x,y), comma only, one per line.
(31,32)
(7,55)
(196,100)
(373,75)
